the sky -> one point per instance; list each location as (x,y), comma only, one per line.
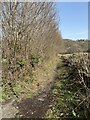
(73,19)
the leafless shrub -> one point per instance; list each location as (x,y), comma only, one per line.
(80,65)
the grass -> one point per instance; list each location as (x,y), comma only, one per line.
(31,85)
(68,96)
(30,94)
(18,89)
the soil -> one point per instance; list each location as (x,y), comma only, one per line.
(35,107)
(9,110)
(38,105)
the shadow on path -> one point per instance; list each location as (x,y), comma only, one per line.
(38,105)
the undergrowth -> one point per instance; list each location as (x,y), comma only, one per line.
(69,93)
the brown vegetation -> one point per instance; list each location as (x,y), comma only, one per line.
(78,79)
(30,37)
(72,46)
(72,88)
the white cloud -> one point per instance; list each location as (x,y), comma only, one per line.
(78,35)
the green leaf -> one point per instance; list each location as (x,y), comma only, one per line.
(74,114)
(4,61)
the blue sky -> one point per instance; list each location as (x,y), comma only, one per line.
(73,19)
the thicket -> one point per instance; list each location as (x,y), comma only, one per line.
(30,36)
(73,87)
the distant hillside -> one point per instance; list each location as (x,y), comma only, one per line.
(72,46)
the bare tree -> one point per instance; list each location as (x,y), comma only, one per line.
(27,28)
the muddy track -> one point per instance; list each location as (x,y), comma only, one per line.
(38,105)
(35,107)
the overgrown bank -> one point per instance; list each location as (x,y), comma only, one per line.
(70,91)
(30,39)
(34,105)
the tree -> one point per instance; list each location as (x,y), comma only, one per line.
(27,28)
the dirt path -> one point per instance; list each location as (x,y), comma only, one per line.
(9,109)
(38,105)
(30,108)
(35,107)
